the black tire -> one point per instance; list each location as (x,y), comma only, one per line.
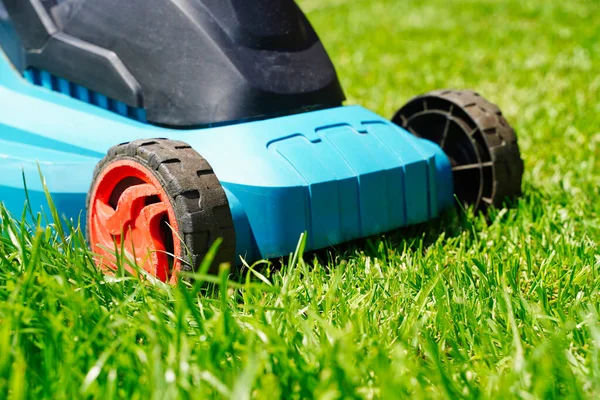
(196,196)
(481,145)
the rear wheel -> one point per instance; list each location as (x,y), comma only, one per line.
(481,145)
(162,203)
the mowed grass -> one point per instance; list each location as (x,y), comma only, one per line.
(459,307)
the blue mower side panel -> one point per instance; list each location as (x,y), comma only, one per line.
(339,174)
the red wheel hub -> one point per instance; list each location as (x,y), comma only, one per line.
(129,208)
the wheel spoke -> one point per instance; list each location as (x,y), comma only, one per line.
(411,130)
(148,242)
(130,203)
(103,213)
(472,166)
(446,128)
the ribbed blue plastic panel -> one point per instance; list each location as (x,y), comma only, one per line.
(56,84)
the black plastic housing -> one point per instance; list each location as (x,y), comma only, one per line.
(9,41)
(187,62)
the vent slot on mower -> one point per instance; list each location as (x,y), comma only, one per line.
(56,84)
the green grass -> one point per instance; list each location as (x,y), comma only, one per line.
(453,308)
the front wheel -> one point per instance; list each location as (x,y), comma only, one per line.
(481,145)
(160,202)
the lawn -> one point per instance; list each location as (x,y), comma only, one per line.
(459,307)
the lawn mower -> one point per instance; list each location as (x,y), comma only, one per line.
(167,124)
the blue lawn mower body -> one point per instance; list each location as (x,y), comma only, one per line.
(336,172)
